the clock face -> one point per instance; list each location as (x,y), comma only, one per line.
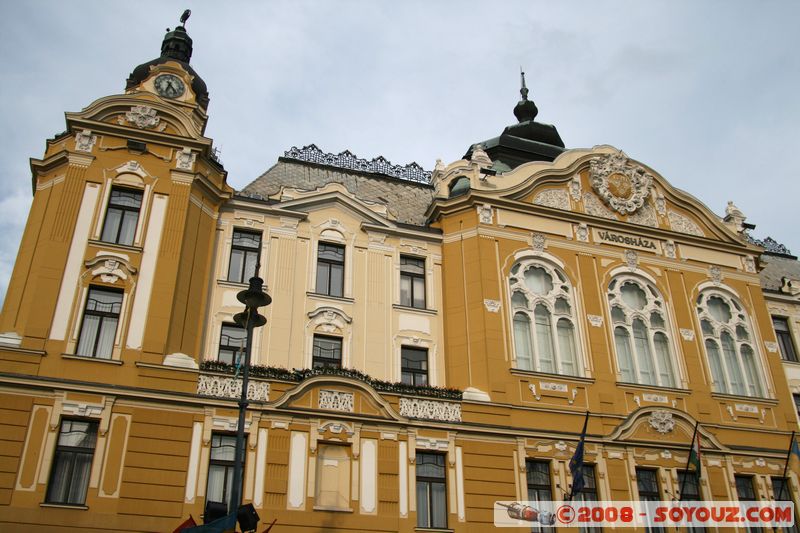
(169,86)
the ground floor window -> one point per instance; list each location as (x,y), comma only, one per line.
(431,491)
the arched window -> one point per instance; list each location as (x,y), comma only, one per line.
(543,319)
(641,337)
(729,344)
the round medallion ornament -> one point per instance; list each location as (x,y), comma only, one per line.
(169,86)
(623,186)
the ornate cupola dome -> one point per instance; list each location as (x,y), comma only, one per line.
(177,47)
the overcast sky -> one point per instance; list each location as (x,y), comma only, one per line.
(706,93)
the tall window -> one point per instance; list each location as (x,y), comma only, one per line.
(796,398)
(99,326)
(431,491)
(414,365)
(333,477)
(412,282)
(746,493)
(647,483)
(729,345)
(690,485)
(781,491)
(539,485)
(589,491)
(245,248)
(784,336)
(69,477)
(641,335)
(330,269)
(326,352)
(231,340)
(122,216)
(220,468)
(543,320)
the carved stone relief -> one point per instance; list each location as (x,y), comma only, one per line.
(593,206)
(538,241)
(335,400)
(224,387)
(683,224)
(622,185)
(492,306)
(485,214)
(575,189)
(557,198)
(185,159)
(662,421)
(669,249)
(85,141)
(715,273)
(632,259)
(110,268)
(143,117)
(582,233)
(645,216)
(430,410)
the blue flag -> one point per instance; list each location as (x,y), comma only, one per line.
(576,463)
(795,447)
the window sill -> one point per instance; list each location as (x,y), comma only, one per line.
(228,283)
(654,388)
(546,375)
(758,399)
(333,509)
(790,362)
(78,507)
(423,310)
(434,530)
(329,297)
(115,246)
(92,359)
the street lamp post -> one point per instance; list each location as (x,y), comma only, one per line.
(253,297)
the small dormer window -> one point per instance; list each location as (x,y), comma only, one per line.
(459,186)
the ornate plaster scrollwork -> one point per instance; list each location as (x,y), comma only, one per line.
(661,204)
(622,185)
(771,346)
(715,273)
(749,264)
(485,214)
(430,410)
(185,159)
(669,249)
(595,320)
(492,306)
(110,268)
(644,217)
(538,242)
(557,198)
(143,117)
(223,387)
(593,206)
(582,233)
(575,189)
(335,400)
(683,224)
(662,421)
(85,141)
(687,334)
(632,260)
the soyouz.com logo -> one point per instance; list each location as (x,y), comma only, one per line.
(644,514)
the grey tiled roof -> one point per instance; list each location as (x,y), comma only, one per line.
(776,269)
(405,200)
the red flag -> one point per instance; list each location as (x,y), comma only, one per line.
(188,523)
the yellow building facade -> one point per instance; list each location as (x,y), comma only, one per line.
(434,342)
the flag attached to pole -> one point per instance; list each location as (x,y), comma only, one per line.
(185,525)
(576,463)
(694,453)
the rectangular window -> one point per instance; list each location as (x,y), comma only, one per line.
(330,269)
(414,365)
(245,248)
(540,488)
(99,326)
(431,491)
(589,491)
(72,464)
(796,398)
(784,337)
(122,216)
(781,491)
(333,477)
(412,282)
(688,482)
(746,492)
(326,352)
(647,483)
(232,339)
(220,468)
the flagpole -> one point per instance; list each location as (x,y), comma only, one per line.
(580,442)
(688,460)
(786,465)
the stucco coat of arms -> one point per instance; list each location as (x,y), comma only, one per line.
(623,186)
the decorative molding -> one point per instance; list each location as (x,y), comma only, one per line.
(645,216)
(592,205)
(666,454)
(85,141)
(687,334)
(493,306)
(538,241)
(790,286)
(683,224)
(430,410)
(335,400)
(556,387)
(185,159)
(348,160)
(224,387)
(662,421)
(746,408)
(575,188)
(143,117)
(560,446)
(655,398)
(632,260)
(556,198)
(180,360)
(485,214)
(661,204)
(770,245)
(622,185)
(670,249)
(595,320)
(715,273)
(582,233)
(110,268)
(10,338)
(771,346)
(429,443)
(749,264)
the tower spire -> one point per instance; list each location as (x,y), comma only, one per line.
(525,110)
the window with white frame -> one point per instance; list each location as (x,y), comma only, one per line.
(330,269)
(245,247)
(122,216)
(543,317)
(641,332)
(729,344)
(72,463)
(99,325)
